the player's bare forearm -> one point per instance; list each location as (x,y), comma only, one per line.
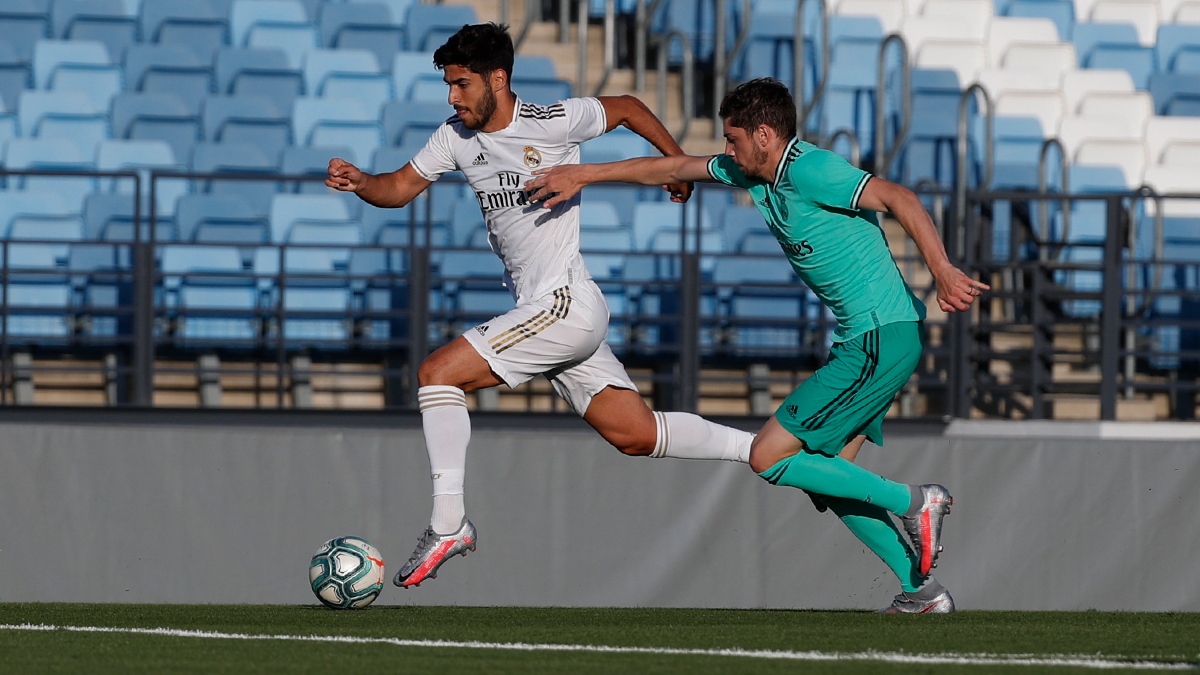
(956,291)
(385,190)
(558,184)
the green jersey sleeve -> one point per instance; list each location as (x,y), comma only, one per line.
(724,170)
(827,179)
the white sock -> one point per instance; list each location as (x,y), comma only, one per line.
(447,432)
(688,436)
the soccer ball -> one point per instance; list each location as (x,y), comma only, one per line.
(346,573)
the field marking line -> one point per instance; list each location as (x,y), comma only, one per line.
(1075,661)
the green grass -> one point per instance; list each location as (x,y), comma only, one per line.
(1164,637)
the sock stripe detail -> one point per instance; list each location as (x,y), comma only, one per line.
(429,398)
(662,435)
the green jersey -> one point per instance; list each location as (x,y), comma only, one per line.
(838,250)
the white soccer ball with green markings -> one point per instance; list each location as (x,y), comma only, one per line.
(346,573)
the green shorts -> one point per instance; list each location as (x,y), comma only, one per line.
(851,393)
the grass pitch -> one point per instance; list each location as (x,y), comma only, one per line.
(215,639)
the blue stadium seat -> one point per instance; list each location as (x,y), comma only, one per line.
(363,25)
(124,155)
(762,302)
(22,23)
(209,288)
(101,277)
(605,250)
(109,216)
(318,121)
(540,91)
(197,24)
(651,218)
(1061,12)
(38,293)
(15,76)
(80,66)
(101,20)
(225,219)
(850,92)
(283,24)
(759,243)
(36,203)
(51,154)
(406,120)
(534,67)
(249,119)
(398,9)
(428,88)
(1115,45)
(312,161)
(599,215)
(466,221)
(318,296)
(170,69)
(65,115)
(288,210)
(620,143)
(1018,145)
(930,150)
(259,72)
(441,195)
(1177,44)
(1170,89)
(739,221)
(430,25)
(407,68)
(770,48)
(389,226)
(698,22)
(347,74)
(156,116)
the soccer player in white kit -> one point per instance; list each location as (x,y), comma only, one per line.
(560,321)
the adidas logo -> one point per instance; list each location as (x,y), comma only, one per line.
(480,160)
(791,410)
(482,329)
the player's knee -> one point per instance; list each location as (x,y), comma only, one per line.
(432,372)
(763,457)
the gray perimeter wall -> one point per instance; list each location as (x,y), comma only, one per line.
(207,514)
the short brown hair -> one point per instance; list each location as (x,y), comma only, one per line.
(761,101)
(481,49)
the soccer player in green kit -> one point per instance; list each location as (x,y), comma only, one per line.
(821,209)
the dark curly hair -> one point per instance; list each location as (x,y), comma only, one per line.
(481,49)
(762,101)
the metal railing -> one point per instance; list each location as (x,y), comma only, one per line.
(885,155)
(805,110)
(722,58)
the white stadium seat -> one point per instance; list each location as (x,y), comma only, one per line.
(972,15)
(1188,12)
(1003,80)
(1052,58)
(1074,131)
(1004,30)
(1142,14)
(966,58)
(1134,107)
(1175,180)
(1161,132)
(1047,107)
(1182,154)
(890,13)
(919,29)
(1076,84)
(1129,155)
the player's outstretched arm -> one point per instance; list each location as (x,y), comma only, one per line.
(388,190)
(629,112)
(560,183)
(955,290)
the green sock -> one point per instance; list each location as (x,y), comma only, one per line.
(875,528)
(836,477)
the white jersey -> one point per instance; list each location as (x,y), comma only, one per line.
(539,246)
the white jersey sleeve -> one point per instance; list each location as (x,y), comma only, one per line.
(437,157)
(586,119)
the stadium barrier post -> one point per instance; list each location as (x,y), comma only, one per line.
(144,282)
(1110,315)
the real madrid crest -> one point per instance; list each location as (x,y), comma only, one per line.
(533,158)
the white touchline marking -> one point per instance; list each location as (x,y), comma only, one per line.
(1076,661)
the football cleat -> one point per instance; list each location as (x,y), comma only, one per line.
(941,603)
(925,528)
(432,551)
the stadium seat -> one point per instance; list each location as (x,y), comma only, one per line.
(763,305)
(22,23)
(214,297)
(1182,154)
(156,116)
(430,25)
(1061,12)
(259,72)
(15,75)
(312,161)
(255,195)
(1056,58)
(287,210)
(1171,88)
(930,150)
(38,294)
(1005,31)
(1115,45)
(621,143)
(407,68)
(534,67)
(973,15)
(1175,180)
(317,121)
(1143,15)
(101,20)
(406,120)
(1127,155)
(78,66)
(1176,42)
(346,74)
(282,24)
(169,69)
(32,203)
(197,24)
(1161,132)
(8,125)
(1134,108)
(106,214)
(220,218)
(249,119)
(65,115)
(605,249)
(964,58)
(124,155)
(540,91)
(466,220)
(393,227)
(1080,83)
(890,13)
(51,154)
(363,25)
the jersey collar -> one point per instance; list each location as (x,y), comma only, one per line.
(781,168)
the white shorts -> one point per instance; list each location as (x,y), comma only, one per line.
(561,336)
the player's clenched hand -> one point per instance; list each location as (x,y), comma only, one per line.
(555,185)
(343,175)
(680,192)
(955,290)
